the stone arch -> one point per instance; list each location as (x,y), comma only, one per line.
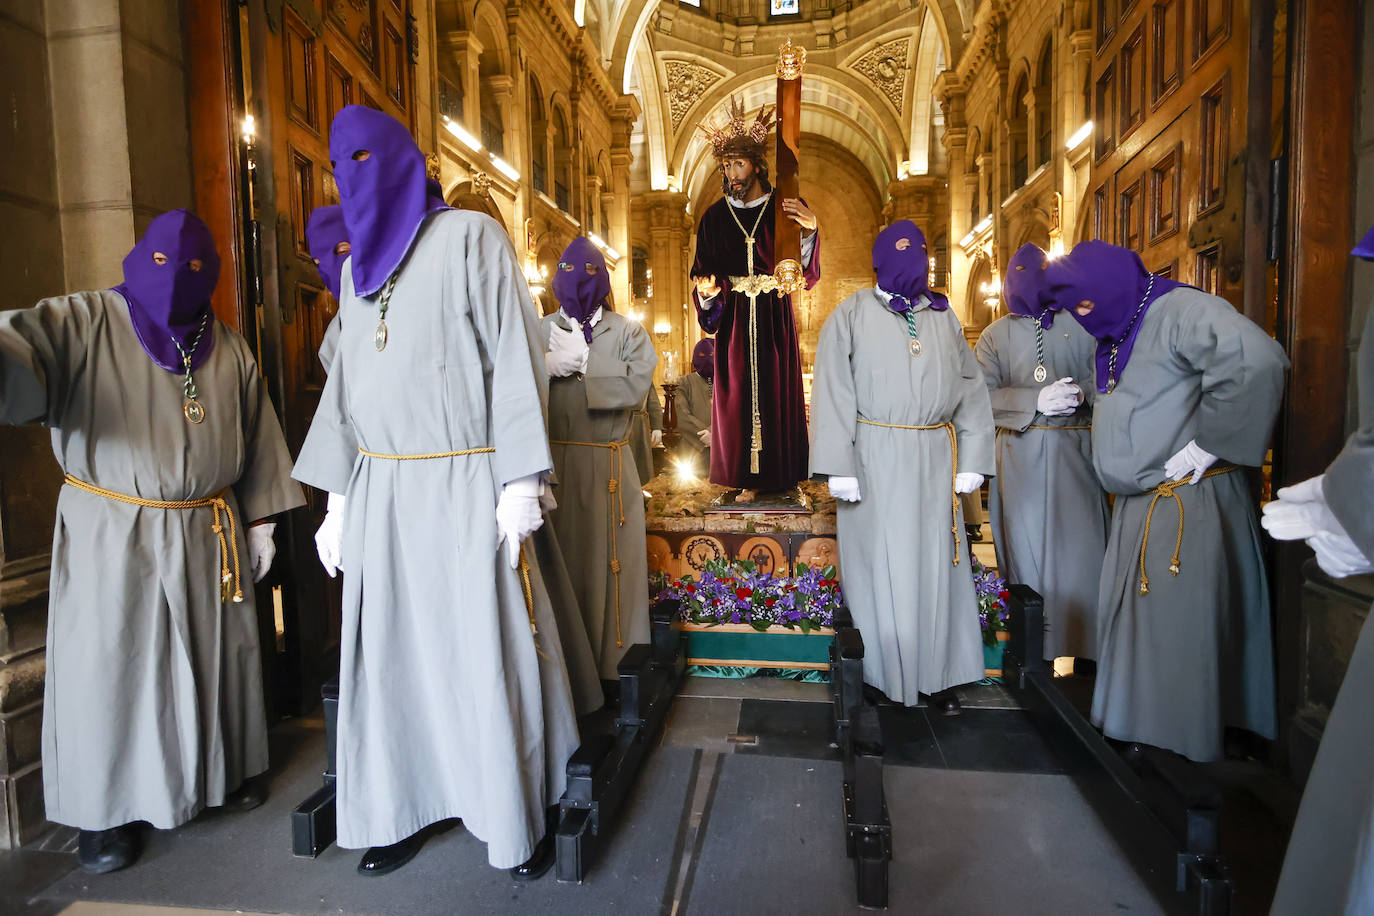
(472,195)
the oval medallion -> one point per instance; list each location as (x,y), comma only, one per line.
(1040,374)
(194,412)
(915,347)
(379,338)
(1111,385)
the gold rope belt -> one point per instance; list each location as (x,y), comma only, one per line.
(614,504)
(954,470)
(431,455)
(1166,491)
(230,585)
(524,564)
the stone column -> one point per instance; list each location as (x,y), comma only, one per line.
(467,54)
(669,234)
(950,93)
(622,124)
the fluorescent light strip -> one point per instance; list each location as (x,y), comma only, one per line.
(1079,136)
(468,139)
(504,167)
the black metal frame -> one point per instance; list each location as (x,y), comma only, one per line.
(858,734)
(603,770)
(1165,811)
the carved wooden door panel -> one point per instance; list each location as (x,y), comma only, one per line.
(1170,134)
(321,56)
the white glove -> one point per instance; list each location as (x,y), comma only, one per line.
(1299,512)
(1191,459)
(329,539)
(567,353)
(518,515)
(261,549)
(966,482)
(1059,398)
(1338,556)
(655,438)
(705,437)
(845,488)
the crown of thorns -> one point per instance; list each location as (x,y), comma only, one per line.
(737,135)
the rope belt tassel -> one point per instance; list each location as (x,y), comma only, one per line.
(1166,491)
(953,473)
(231,586)
(615,508)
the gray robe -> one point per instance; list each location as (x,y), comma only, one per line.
(329,344)
(598,406)
(646,419)
(692,404)
(153,705)
(1049,514)
(449,706)
(1178,665)
(1329,867)
(915,608)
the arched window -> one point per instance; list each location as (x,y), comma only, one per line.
(1044,104)
(539,139)
(493,124)
(562,162)
(1020,152)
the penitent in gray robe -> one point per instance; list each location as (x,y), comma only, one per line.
(1329,867)
(646,419)
(153,705)
(1178,665)
(449,707)
(1049,514)
(598,406)
(915,608)
(692,405)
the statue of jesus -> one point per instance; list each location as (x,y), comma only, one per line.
(758,423)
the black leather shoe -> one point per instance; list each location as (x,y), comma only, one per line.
(101,851)
(974,533)
(536,865)
(383,860)
(946,704)
(249,795)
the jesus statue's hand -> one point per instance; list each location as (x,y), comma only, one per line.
(707,287)
(801,214)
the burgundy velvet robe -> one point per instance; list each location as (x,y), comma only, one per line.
(721,252)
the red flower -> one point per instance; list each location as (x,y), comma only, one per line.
(743,593)
(1004,594)
(770,602)
(691,589)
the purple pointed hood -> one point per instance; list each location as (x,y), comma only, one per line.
(323,233)
(170,299)
(1366,247)
(704,358)
(902,267)
(1115,280)
(383,190)
(1026,290)
(581,283)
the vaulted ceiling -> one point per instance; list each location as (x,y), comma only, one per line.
(867,86)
